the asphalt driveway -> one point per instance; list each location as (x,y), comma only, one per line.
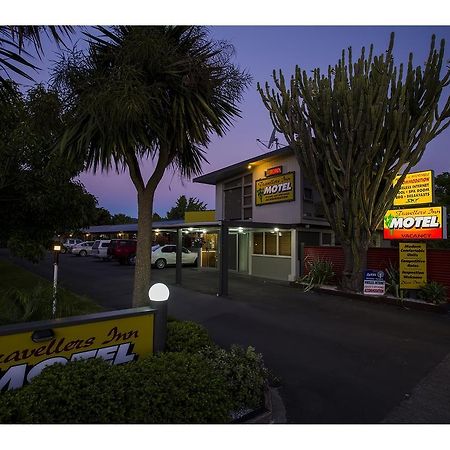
(340,360)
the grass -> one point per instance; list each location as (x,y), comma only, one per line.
(25,297)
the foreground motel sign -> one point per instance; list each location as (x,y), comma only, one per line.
(415,223)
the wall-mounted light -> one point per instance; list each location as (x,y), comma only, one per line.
(190,229)
(240,230)
(249,166)
(276,230)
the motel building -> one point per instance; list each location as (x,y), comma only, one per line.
(266,212)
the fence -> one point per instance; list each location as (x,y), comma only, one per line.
(438,261)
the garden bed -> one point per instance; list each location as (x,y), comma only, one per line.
(442,308)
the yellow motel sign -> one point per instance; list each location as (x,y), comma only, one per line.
(417,189)
(275,189)
(118,337)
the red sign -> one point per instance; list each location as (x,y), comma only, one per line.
(274,171)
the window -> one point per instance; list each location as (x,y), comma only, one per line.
(284,243)
(308,194)
(258,243)
(271,243)
(238,197)
(168,249)
(326,238)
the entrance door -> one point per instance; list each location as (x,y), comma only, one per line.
(243,252)
(232,251)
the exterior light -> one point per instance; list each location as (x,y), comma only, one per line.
(240,229)
(204,231)
(57,248)
(190,229)
(249,166)
(158,295)
(159,292)
(276,229)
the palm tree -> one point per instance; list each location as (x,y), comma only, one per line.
(142,93)
(13,40)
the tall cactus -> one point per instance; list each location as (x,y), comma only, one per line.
(353,130)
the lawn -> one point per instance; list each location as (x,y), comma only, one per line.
(25,296)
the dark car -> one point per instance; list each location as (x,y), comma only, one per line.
(123,250)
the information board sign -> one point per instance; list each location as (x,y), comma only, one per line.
(374,282)
(417,188)
(413,265)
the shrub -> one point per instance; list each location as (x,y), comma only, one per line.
(186,337)
(245,374)
(320,271)
(393,281)
(176,388)
(433,292)
(168,388)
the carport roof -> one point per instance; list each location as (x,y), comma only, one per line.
(240,167)
(129,227)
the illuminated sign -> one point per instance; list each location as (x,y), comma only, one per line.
(278,170)
(118,337)
(416,223)
(275,189)
(413,265)
(417,188)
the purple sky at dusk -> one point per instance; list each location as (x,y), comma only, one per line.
(259,50)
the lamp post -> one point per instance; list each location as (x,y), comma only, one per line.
(159,294)
(56,251)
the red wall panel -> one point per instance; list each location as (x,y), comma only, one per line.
(438,261)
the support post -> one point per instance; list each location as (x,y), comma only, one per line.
(179,263)
(301,257)
(223,260)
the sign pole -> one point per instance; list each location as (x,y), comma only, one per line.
(56,250)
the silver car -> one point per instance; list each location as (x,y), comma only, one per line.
(83,249)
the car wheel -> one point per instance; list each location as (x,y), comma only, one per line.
(63,250)
(160,263)
(83,253)
(131,260)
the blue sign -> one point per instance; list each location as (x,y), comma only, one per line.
(374,283)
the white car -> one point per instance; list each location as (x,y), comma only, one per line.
(83,249)
(167,255)
(100,249)
(69,243)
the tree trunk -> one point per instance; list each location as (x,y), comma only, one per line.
(142,271)
(355,263)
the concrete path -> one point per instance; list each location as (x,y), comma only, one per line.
(339,360)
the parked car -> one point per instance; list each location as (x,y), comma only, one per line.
(167,255)
(100,249)
(69,243)
(83,249)
(123,250)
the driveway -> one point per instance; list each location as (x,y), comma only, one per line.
(340,360)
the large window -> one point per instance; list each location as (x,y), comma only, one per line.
(238,195)
(272,243)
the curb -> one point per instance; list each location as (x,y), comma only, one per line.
(405,303)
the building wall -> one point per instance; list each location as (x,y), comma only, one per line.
(272,267)
(288,212)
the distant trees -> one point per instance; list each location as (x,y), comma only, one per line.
(183,205)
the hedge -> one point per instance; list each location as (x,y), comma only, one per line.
(195,383)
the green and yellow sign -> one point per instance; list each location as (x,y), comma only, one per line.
(276,189)
(417,189)
(118,337)
(413,265)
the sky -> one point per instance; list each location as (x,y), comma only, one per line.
(259,50)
